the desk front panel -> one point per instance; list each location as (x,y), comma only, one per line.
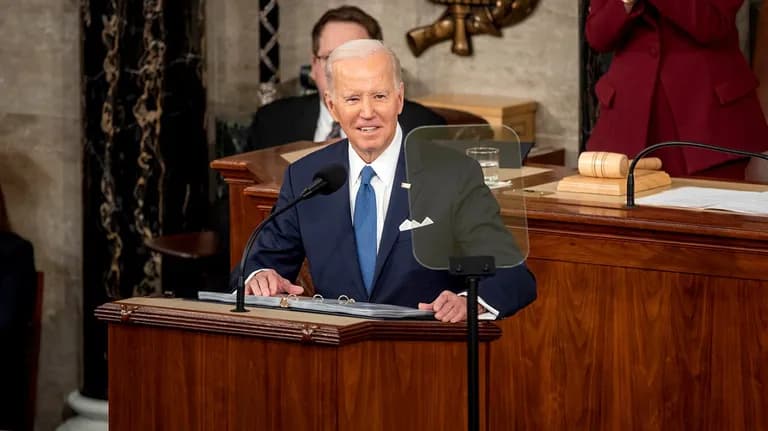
(651,319)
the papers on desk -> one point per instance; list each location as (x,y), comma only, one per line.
(323,305)
(739,201)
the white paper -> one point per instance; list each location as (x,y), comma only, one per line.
(709,198)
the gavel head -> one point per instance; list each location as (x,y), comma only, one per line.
(602,164)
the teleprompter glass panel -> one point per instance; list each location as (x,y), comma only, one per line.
(456,178)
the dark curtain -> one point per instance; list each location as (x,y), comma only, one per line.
(592,65)
(145,155)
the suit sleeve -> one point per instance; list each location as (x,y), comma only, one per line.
(706,21)
(481,232)
(17,282)
(760,59)
(608,22)
(279,245)
(255,133)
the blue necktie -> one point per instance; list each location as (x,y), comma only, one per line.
(365,226)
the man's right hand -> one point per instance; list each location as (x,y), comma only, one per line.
(269,283)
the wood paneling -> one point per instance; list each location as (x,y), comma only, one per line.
(183,365)
(179,380)
(608,348)
(426,381)
(646,318)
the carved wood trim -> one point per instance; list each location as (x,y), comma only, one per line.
(305,332)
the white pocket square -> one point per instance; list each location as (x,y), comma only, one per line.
(413,224)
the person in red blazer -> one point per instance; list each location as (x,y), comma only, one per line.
(677,74)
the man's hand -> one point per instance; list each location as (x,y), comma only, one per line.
(270,283)
(449,307)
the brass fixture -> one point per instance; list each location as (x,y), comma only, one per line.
(463,18)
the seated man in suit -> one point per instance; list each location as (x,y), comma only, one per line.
(306,118)
(351,237)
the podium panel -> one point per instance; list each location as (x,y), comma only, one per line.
(181,364)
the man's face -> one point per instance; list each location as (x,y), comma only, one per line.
(366,102)
(333,35)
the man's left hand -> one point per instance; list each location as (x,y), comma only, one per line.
(449,307)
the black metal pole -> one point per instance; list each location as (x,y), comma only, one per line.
(473,361)
(654,147)
(473,269)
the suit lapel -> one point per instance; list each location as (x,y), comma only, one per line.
(396,213)
(340,227)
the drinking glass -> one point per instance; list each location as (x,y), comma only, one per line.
(488,158)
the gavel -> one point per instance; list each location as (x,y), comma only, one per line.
(602,164)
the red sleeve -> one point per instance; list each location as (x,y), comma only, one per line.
(706,21)
(760,59)
(608,21)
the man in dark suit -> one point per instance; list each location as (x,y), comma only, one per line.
(352,238)
(306,118)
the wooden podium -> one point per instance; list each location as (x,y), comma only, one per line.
(178,364)
(649,318)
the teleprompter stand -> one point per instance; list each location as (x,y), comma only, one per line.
(473,269)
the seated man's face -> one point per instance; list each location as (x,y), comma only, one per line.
(334,34)
(366,102)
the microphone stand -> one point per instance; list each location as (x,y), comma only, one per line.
(652,148)
(473,269)
(305,194)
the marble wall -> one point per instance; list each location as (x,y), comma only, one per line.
(536,59)
(40,174)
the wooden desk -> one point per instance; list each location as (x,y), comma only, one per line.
(187,365)
(519,114)
(649,318)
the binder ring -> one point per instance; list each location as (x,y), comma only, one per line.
(344,299)
(318,297)
(285,301)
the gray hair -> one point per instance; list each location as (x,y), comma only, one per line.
(361,48)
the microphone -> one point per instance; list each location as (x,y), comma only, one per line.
(652,148)
(326,181)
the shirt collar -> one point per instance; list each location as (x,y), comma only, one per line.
(325,114)
(385,165)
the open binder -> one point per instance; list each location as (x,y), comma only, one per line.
(318,304)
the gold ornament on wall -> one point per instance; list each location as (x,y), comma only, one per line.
(463,18)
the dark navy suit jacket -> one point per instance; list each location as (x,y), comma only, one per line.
(321,230)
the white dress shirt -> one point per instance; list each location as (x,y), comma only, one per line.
(324,123)
(384,166)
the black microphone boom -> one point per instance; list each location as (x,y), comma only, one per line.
(652,148)
(326,181)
